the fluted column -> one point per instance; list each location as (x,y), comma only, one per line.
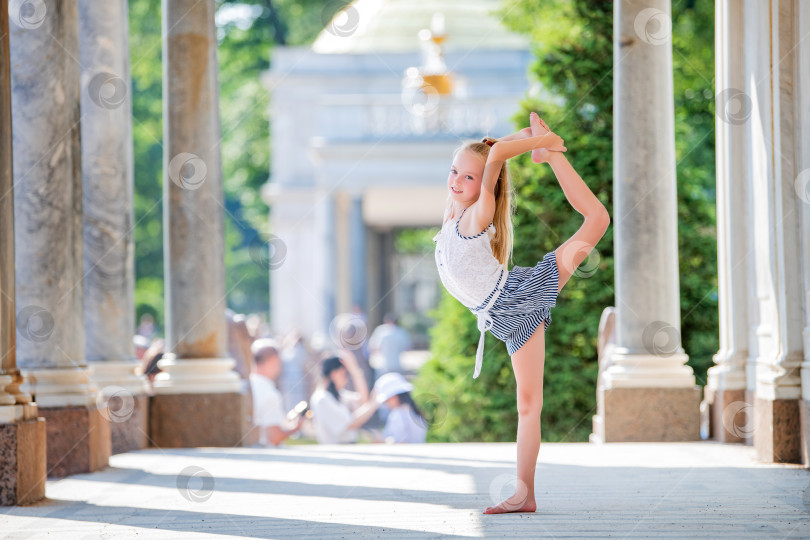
(199,397)
(107,172)
(770,49)
(649,392)
(48,235)
(725,389)
(22,433)
(802,81)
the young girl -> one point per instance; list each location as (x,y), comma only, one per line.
(405,423)
(472,250)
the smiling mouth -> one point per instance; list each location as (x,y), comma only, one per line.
(454,191)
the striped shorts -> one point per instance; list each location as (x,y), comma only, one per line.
(525,302)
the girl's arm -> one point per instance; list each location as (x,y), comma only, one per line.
(522,134)
(503,150)
(356,373)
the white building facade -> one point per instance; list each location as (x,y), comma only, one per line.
(356,155)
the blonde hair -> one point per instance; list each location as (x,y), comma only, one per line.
(501,243)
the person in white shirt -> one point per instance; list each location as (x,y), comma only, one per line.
(405,423)
(268,411)
(386,343)
(338,413)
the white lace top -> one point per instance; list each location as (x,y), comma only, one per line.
(470,273)
(467,268)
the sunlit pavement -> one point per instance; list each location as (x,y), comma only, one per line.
(672,490)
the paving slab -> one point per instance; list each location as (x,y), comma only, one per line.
(584,490)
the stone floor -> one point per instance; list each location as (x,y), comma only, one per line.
(624,490)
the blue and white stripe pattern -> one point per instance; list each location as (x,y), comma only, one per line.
(524,303)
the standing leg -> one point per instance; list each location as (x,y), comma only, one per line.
(528,363)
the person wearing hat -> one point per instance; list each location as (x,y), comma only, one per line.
(337,412)
(405,423)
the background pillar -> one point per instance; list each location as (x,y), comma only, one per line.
(48,236)
(725,390)
(648,392)
(22,433)
(802,82)
(109,306)
(770,49)
(199,399)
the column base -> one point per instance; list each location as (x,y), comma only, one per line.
(78,440)
(647,415)
(22,462)
(804,418)
(728,412)
(777,432)
(191,420)
(132,431)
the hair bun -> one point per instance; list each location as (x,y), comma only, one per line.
(489,140)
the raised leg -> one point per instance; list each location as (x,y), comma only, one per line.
(528,363)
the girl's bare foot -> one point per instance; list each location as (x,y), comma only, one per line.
(538,128)
(515,503)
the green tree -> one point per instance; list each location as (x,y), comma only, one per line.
(574,58)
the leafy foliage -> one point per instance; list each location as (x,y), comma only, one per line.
(574,59)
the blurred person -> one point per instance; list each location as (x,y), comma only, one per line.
(239,342)
(404,423)
(387,342)
(268,409)
(352,335)
(141,343)
(338,413)
(146,326)
(150,359)
(293,382)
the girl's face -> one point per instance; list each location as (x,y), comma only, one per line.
(466,175)
(392,402)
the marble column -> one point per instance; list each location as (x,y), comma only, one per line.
(48,235)
(802,84)
(725,388)
(770,49)
(107,172)
(199,399)
(648,393)
(22,432)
